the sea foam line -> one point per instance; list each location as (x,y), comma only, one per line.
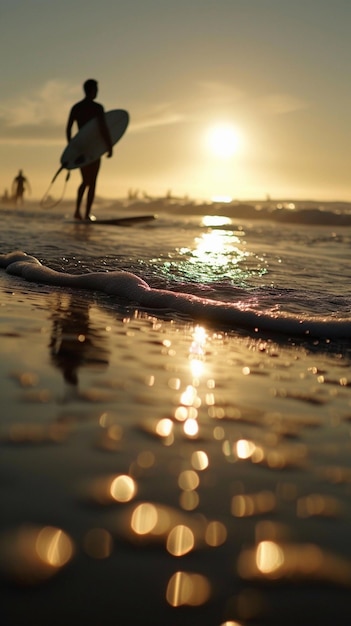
(134,289)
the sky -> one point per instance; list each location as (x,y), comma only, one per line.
(240,99)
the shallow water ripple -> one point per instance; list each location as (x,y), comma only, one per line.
(185,474)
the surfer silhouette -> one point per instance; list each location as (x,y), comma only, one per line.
(75,341)
(19,185)
(81,113)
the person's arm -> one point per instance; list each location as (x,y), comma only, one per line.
(69,126)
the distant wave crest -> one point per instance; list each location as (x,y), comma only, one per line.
(296,212)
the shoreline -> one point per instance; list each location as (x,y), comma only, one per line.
(160,470)
(269,462)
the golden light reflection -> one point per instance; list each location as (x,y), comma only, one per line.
(190,398)
(188,480)
(150,522)
(287,205)
(215,220)
(106,490)
(214,246)
(174,383)
(216,534)
(269,557)
(123,488)
(253,504)
(223,198)
(150,381)
(216,412)
(199,460)
(106,420)
(210,399)
(164,427)
(200,337)
(31,554)
(197,352)
(110,434)
(191,428)
(197,368)
(287,561)
(115,432)
(189,500)
(218,433)
(185,588)
(53,546)
(183,413)
(217,254)
(245,448)
(318,505)
(144,518)
(180,540)
(275,457)
(259,456)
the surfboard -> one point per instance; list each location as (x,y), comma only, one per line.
(88,144)
(118,221)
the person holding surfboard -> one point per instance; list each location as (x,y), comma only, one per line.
(81,113)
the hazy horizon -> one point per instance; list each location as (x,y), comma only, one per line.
(233,98)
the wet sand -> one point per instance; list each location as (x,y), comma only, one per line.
(160,472)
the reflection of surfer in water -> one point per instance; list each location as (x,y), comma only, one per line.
(19,185)
(81,113)
(74,341)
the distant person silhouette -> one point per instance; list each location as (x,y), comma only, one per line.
(81,113)
(19,186)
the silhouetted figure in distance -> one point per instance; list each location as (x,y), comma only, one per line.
(81,113)
(19,186)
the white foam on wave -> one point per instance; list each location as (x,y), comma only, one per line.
(134,289)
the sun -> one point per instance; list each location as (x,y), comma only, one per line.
(224,140)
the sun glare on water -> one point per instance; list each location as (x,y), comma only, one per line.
(224,140)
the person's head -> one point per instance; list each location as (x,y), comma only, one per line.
(90,88)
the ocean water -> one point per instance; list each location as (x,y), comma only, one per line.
(281,269)
(175,432)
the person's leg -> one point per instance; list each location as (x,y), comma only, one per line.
(90,199)
(80,194)
(90,173)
